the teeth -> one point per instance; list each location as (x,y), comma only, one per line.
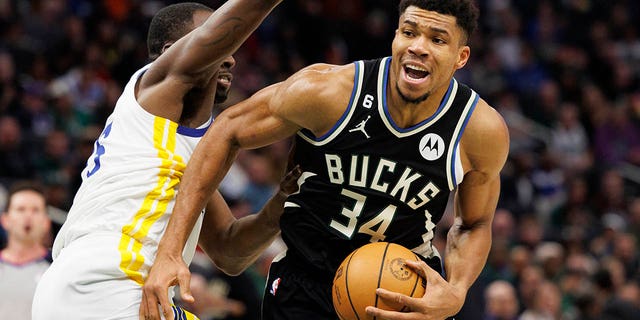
(415,67)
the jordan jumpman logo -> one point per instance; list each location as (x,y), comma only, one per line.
(360,127)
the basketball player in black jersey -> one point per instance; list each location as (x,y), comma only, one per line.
(381,144)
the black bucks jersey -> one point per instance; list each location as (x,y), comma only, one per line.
(369,180)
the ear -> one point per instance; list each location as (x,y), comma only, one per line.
(165,47)
(463,56)
(3,220)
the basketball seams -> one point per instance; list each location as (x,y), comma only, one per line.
(381,272)
(346,285)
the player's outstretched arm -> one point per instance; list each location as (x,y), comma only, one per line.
(193,59)
(485,147)
(234,244)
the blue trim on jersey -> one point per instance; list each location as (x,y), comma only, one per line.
(192,132)
(455,145)
(346,112)
(386,109)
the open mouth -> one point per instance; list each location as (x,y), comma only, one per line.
(225,78)
(415,72)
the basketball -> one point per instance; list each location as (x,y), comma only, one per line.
(372,266)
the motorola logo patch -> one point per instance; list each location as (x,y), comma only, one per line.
(431,147)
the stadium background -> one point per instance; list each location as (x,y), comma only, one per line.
(565,75)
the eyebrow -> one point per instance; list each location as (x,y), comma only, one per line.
(433,29)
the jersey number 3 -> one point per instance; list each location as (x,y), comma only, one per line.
(382,220)
(98,151)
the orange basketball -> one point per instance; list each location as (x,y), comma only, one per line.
(372,266)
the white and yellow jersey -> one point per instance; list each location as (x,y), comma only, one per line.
(130,185)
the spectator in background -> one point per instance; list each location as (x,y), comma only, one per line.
(548,181)
(546,303)
(15,159)
(569,141)
(212,290)
(529,279)
(501,301)
(617,140)
(8,84)
(610,306)
(25,258)
(574,218)
(630,292)
(550,257)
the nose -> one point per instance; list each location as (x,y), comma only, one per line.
(228,62)
(418,47)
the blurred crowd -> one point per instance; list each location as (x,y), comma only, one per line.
(565,75)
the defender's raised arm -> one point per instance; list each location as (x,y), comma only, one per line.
(193,60)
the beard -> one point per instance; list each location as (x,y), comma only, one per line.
(415,100)
(221,95)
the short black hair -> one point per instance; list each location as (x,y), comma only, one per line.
(25,185)
(465,12)
(170,24)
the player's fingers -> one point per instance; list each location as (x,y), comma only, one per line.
(424,270)
(396,298)
(184,281)
(143,313)
(149,304)
(419,267)
(432,276)
(165,305)
(289,184)
(381,314)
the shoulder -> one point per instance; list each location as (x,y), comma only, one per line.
(486,120)
(323,90)
(485,141)
(320,77)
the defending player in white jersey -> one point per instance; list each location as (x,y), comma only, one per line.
(104,250)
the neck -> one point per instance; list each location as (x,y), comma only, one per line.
(197,106)
(19,253)
(406,113)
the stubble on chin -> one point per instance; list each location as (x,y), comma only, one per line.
(412,101)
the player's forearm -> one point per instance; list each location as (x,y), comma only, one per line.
(249,236)
(206,168)
(225,30)
(466,253)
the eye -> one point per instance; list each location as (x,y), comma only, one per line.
(408,33)
(438,40)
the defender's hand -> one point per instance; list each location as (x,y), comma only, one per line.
(289,183)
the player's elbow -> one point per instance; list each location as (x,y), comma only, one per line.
(230,266)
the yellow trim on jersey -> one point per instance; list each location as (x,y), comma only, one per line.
(182,314)
(155,202)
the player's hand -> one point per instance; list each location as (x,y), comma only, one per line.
(441,299)
(289,183)
(166,271)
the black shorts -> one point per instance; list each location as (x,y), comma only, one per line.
(295,294)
